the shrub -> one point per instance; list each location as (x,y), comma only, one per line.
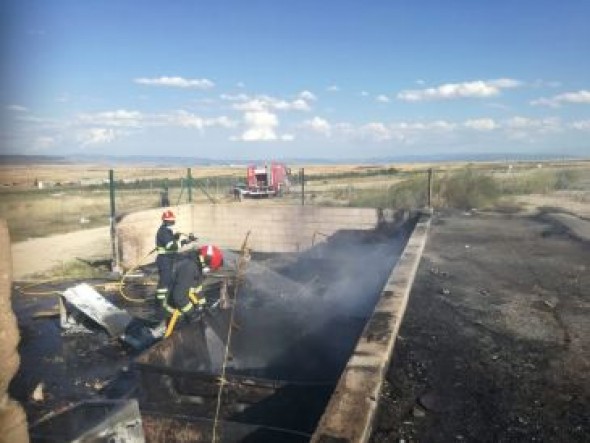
(466,189)
(410,193)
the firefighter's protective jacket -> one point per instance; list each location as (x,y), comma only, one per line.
(187,282)
(165,241)
(166,247)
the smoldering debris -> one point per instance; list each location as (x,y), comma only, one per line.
(301,319)
(296,317)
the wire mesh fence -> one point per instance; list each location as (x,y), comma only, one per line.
(89,198)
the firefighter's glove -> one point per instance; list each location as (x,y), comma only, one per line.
(191,237)
(177,236)
(201,303)
(184,242)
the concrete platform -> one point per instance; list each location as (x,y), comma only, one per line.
(300,316)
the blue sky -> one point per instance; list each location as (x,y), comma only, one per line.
(277,79)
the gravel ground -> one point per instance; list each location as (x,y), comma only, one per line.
(495,344)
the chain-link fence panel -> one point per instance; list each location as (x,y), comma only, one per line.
(378,187)
(81,198)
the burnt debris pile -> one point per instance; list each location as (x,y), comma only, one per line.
(295,323)
(292,321)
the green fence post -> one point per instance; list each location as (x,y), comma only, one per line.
(114,255)
(189,181)
(429,188)
(302,173)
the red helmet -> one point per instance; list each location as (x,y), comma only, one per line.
(168,216)
(212,256)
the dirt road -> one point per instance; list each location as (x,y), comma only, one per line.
(495,343)
(41,254)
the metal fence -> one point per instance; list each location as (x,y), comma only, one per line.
(43,208)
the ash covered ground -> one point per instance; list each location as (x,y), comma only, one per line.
(495,343)
(298,317)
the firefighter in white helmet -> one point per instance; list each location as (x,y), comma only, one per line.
(166,248)
(187,280)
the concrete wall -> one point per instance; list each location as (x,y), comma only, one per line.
(13,422)
(272,228)
(351,410)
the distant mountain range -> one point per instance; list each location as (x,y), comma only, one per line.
(15,159)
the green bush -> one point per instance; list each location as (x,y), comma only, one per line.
(540,181)
(408,194)
(466,189)
(566,179)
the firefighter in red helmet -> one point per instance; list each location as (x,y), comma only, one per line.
(187,280)
(166,248)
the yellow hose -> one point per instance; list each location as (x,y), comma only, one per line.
(122,281)
(172,323)
(121,284)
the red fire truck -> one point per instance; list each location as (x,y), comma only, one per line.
(266,181)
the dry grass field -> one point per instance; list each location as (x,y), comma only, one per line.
(76,197)
(25,175)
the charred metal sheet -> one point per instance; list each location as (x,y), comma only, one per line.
(92,420)
(85,299)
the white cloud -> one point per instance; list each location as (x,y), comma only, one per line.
(382,99)
(95,136)
(581,125)
(442,125)
(296,105)
(333,88)
(376,131)
(254,105)
(136,120)
(474,89)
(266,103)
(481,124)
(16,108)
(505,83)
(364,94)
(234,97)
(519,122)
(223,121)
(318,124)
(307,95)
(579,97)
(176,82)
(188,120)
(240,85)
(261,126)
(120,118)
(524,128)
